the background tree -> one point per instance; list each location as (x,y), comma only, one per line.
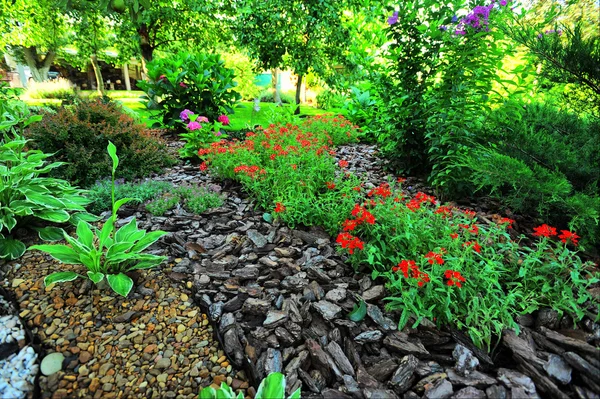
(34,32)
(303,35)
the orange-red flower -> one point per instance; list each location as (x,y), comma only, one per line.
(279,207)
(454,278)
(432,258)
(347,240)
(544,231)
(566,235)
(343,163)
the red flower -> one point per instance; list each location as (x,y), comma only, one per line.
(413,205)
(569,236)
(343,163)
(474,244)
(330,185)
(506,220)
(383,191)
(349,224)
(279,207)
(347,240)
(432,258)
(544,231)
(203,166)
(454,278)
(469,213)
(454,236)
(444,211)
(294,166)
(401,180)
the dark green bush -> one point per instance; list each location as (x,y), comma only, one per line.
(198,82)
(79,135)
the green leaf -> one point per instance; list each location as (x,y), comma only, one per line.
(53,215)
(50,233)
(148,240)
(272,387)
(85,235)
(61,253)
(96,277)
(121,202)
(60,277)
(295,394)
(112,151)
(85,216)
(44,199)
(147,261)
(126,231)
(358,312)
(120,283)
(118,248)
(207,393)
(11,248)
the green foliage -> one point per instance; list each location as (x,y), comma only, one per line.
(245,74)
(100,193)
(106,253)
(360,107)
(60,89)
(202,134)
(441,265)
(26,193)
(272,387)
(194,199)
(266,96)
(77,135)
(198,82)
(329,99)
(288,168)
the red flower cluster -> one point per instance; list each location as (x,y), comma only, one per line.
(469,213)
(409,265)
(454,236)
(569,236)
(279,207)
(432,258)
(347,240)
(203,166)
(473,229)
(454,278)
(544,231)
(383,191)
(444,211)
(362,215)
(249,170)
(416,202)
(343,164)
(401,180)
(474,244)
(506,220)
(330,185)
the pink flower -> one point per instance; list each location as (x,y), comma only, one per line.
(185,115)
(202,119)
(182,85)
(194,126)
(162,77)
(224,120)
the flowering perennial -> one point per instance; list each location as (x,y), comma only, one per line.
(454,278)
(348,241)
(544,231)
(568,236)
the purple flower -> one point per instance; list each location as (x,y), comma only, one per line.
(460,32)
(218,133)
(194,126)
(393,19)
(223,119)
(185,115)
(443,28)
(503,2)
(454,19)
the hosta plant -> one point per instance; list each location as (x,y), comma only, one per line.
(106,253)
(25,191)
(272,387)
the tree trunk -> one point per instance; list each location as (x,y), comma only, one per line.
(145,45)
(298,92)
(39,67)
(274,78)
(98,74)
(126,77)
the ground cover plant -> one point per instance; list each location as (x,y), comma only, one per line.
(273,386)
(106,253)
(101,192)
(290,169)
(194,199)
(78,135)
(440,263)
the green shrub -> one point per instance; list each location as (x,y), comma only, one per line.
(266,96)
(161,205)
(100,193)
(272,387)
(59,88)
(198,82)
(329,99)
(441,265)
(245,75)
(79,135)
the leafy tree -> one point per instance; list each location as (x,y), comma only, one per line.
(303,35)
(34,31)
